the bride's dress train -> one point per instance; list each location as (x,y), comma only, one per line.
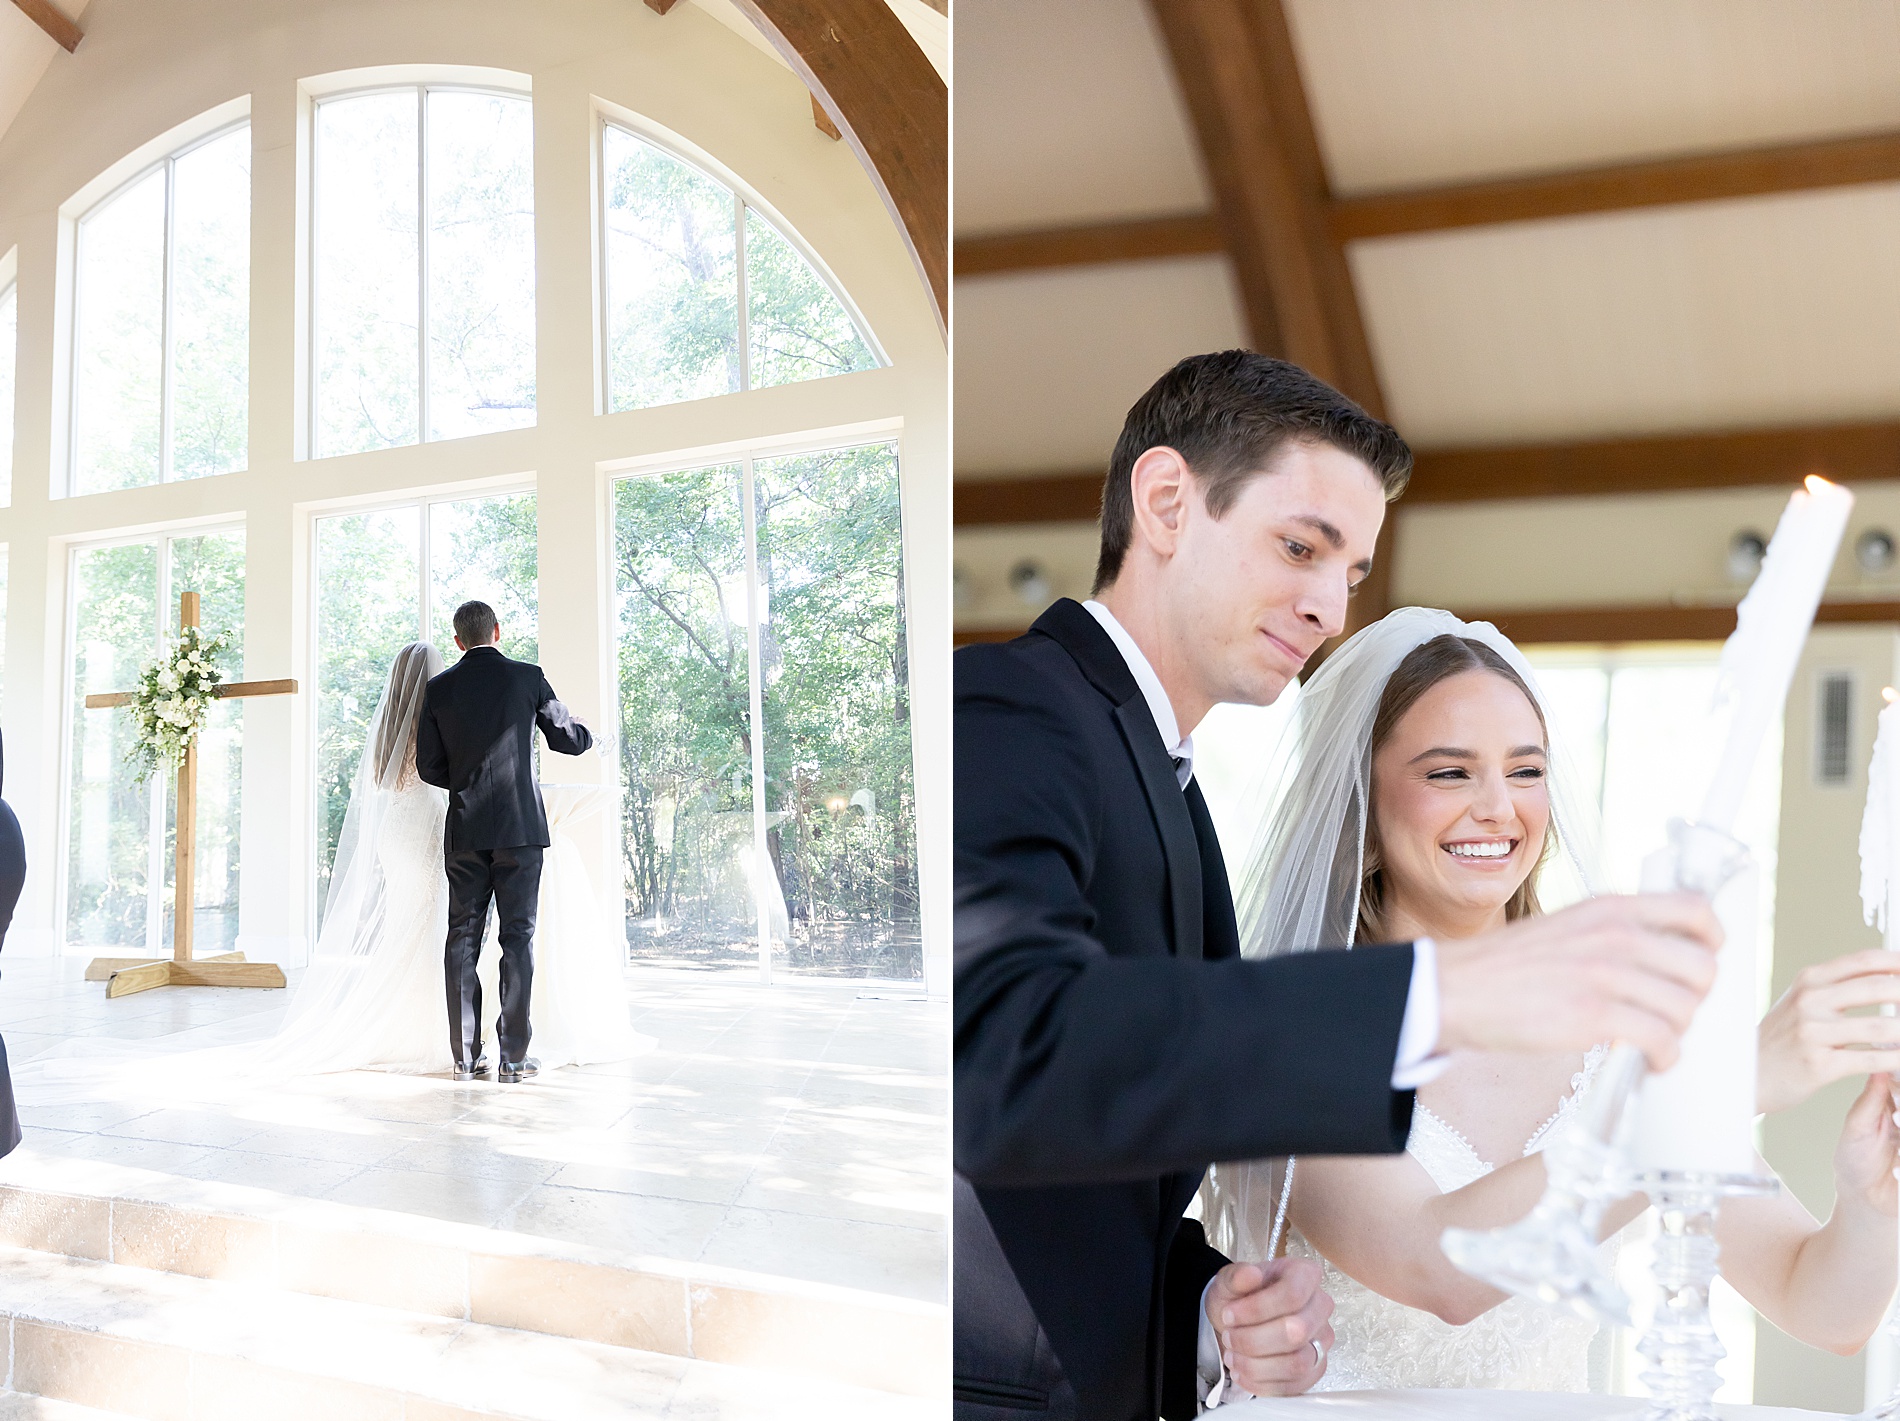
(376,998)
(1519,1344)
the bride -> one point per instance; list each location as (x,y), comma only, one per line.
(374,995)
(1426,802)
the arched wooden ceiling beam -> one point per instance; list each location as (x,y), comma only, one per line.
(63,31)
(887,102)
(1241,78)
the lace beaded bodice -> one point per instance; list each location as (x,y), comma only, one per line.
(1518,1344)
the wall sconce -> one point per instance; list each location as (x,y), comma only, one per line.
(1029,582)
(1873,550)
(1745,552)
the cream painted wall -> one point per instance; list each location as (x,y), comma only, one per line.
(1817,916)
(148,65)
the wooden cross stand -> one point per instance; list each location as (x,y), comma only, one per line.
(125,975)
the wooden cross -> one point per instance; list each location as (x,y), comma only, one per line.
(124,975)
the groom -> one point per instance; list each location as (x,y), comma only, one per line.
(475,739)
(1109,1041)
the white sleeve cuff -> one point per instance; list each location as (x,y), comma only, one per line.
(1207,1363)
(1419,1059)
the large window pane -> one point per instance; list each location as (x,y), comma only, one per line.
(9,347)
(839,792)
(118,369)
(211,307)
(367,272)
(212,565)
(481,263)
(685,748)
(836,884)
(796,326)
(672,278)
(162,330)
(119,876)
(109,849)
(368,569)
(486,550)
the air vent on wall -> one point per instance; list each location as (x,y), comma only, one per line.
(1833,727)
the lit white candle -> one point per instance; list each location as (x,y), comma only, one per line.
(1880,828)
(1699,1115)
(1771,626)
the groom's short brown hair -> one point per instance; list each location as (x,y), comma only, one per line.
(1227,414)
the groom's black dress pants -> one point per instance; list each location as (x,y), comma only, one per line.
(511,879)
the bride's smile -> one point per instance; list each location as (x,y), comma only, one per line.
(1461,809)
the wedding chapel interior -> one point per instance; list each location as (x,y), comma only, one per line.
(1622,275)
(318,319)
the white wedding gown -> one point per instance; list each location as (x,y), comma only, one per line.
(1519,1344)
(383,1004)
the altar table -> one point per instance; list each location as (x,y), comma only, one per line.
(1423,1404)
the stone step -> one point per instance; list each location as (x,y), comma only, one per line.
(163,1225)
(22,1406)
(168,1347)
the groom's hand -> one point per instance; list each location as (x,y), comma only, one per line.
(1611,969)
(1266,1316)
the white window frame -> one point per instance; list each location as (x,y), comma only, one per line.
(742,198)
(423,501)
(160,784)
(745,455)
(421,89)
(169,164)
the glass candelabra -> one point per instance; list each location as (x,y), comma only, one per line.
(1551,1253)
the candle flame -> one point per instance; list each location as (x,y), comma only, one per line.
(1817,484)
(1889,695)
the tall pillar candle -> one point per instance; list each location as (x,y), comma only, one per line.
(1771,626)
(1699,1115)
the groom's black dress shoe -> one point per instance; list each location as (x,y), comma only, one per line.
(512,1071)
(469,1073)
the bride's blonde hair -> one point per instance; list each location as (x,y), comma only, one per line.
(1425,666)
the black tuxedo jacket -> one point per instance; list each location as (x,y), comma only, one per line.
(476,740)
(1110,1043)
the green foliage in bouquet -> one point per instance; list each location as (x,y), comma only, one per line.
(173,698)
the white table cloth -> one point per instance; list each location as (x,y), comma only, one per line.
(1476,1405)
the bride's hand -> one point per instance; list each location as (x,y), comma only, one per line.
(1864,1158)
(1808,1039)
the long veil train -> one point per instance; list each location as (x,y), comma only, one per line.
(374,996)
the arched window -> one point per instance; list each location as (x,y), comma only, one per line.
(423,267)
(704,295)
(9,348)
(162,328)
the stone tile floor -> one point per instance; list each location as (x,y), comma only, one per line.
(799,1130)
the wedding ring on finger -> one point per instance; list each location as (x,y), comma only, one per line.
(1319,1353)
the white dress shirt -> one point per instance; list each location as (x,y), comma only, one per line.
(1416,1060)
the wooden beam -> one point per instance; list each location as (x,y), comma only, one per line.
(880,91)
(1046,498)
(1185,235)
(661,7)
(62,31)
(1850,453)
(1240,74)
(1707,177)
(1241,79)
(1846,453)
(1609,626)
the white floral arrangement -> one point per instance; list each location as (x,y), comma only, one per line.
(173,698)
